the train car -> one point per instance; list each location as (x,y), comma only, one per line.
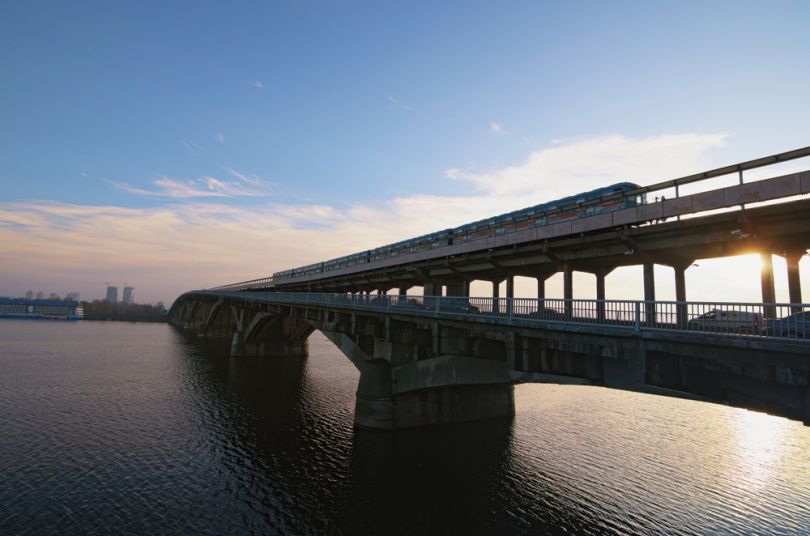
(573,207)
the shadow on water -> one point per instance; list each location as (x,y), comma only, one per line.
(434,480)
(440,479)
(265,390)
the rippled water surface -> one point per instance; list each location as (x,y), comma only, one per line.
(135,429)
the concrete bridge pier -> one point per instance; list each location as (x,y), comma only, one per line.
(794,276)
(379,406)
(600,293)
(496,294)
(649,293)
(681,310)
(767,284)
(431,288)
(420,374)
(459,288)
(568,291)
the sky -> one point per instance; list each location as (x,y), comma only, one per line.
(180,145)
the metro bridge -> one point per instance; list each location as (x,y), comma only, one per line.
(440,355)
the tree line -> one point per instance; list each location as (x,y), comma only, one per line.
(128,312)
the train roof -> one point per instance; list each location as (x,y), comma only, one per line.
(598,192)
(571,199)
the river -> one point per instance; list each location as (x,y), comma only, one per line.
(126,428)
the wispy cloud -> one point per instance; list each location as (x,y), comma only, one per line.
(220,137)
(573,166)
(190,147)
(202,187)
(258,84)
(195,244)
(396,103)
(497,128)
(252,179)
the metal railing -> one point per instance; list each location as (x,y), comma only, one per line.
(762,320)
(262,282)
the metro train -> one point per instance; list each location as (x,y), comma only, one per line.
(568,208)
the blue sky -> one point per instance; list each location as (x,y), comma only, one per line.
(342,107)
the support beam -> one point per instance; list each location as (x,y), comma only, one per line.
(460,288)
(510,295)
(541,292)
(649,293)
(766,282)
(432,289)
(568,291)
(541,287)
(794,278)
(496,292)
(681,312)
(600,295)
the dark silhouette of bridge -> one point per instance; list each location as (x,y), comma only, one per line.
(442,355)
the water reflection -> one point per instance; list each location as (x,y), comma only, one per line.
(760,441)
(436,480)
(117,428)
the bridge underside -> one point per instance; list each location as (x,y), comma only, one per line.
(417,370)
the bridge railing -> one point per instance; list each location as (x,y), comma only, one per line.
(713,318)
(262,282)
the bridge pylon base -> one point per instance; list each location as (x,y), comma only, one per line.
(268,349)
(438,405)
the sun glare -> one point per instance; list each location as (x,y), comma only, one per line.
(760,444)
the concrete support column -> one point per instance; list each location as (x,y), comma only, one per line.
(541,287)
(794,278)
(541,292)
(432,289)
(403,291)
(649,293)
(496,292)
(600,295)
(460,288)
(681,312)
(766,282)
(568,291)
(510,294)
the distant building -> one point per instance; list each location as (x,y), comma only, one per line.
(40,295)
(61,310)
(128,295)
(112,294)
(29,295)
(73,296)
